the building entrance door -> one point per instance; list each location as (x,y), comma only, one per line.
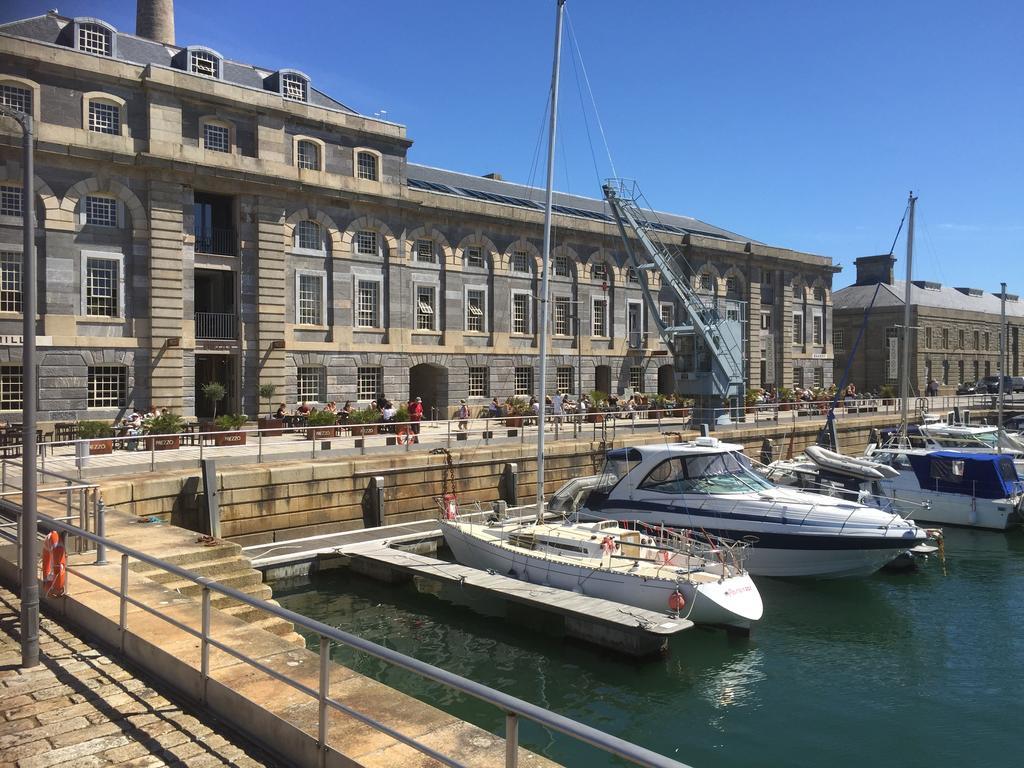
(222,369)
(430,382)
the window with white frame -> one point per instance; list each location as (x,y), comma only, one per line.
(520,261)
(818,380)
(11,388)
(479,381)
(766,321)
(108,386)
(309,235)
(425,305)
(100,211)
(798,327)
(631,275)
(368,304)
(309,304)
(10,201)
(366,166)
(216,138)
(16,98)
(524,380)
(369,382)
(561,265)
(521,313)
(366,242)
(309,384)
(204,63)
(705,281)
(92,38)
(599,272)
(798,377)
(562,320)
(839,339)
(817,327)
(668,314)
(564,378)
(104,117)
(636,378)
(293,87)
(474,256)
(599,326)
(475,310)
(10,281)
(102,287)
(307,155)
(424,250)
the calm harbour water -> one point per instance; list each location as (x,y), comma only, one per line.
(913,669)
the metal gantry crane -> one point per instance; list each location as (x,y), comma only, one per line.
(707,352)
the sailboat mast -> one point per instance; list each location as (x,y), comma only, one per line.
(905,378)
(1003,343)
(544,287)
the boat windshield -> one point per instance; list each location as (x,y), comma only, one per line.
(713,473)
(616,466)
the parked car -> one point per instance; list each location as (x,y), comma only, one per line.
(1018,383)
(990,384)
(1014,423)
(969,388)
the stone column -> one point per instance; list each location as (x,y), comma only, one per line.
(270,290)
(165,293)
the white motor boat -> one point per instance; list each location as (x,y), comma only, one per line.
(707,485)
(954,487)
(699,577)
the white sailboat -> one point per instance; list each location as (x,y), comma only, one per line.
(702,579)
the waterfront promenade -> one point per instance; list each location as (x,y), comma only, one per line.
(81,707)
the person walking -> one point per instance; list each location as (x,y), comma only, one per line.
(416,414)
(463,415)
(557,406)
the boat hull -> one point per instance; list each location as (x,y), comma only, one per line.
(732,602)
(957,509)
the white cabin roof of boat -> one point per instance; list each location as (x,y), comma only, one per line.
(700,446)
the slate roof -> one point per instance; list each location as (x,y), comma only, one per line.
(859,296)
(523,196)
(139,50)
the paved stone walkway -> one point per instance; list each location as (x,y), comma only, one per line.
(80,708)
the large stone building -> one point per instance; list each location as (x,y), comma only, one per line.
(206,220)
(954,331)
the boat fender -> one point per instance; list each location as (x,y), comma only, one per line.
(664,557)
(55,562)
(451,507)
(676,601)
(608,544)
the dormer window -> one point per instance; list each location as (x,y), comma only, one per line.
(294,87)
(205,63)
(94,38)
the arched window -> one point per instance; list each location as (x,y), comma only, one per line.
(104,113)
(705,282)
(367,165)
(95,38)
(17,96)
(599,272)
(560,266)
(631,275)
(309,236)
(307,155)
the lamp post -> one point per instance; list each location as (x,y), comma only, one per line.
(29,585)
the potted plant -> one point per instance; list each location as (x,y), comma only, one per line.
(786,398)
(321,425)
(214,391)
(267,392)
(99,435)
(887,393)
(516,410)
(228,427)
(163,432)
(363,422)
(750,400)
(598,399)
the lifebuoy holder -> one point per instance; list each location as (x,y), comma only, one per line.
(451,506)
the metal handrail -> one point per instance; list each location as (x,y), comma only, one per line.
(512,706)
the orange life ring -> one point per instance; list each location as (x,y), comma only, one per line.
(55,564)
(608,544)
(451,507)
(676,601)
(404,435)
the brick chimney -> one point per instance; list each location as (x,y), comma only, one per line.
(875,269)
(154,19)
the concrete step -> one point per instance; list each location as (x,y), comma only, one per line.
(244,611)
(220,549)
(213,569)
(259,591)
(238,580)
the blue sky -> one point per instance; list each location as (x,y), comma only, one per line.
(799,124)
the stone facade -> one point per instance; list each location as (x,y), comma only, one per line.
(244,267)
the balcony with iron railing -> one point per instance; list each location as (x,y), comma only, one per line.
(216,241)
(216,326)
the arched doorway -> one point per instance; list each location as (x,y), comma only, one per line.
(666,380)
(603,379)
(430,382)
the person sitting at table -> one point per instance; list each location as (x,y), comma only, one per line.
(281,412)
(331,407)
(345,413)
(494,409)
(133,428)
(387,414)
(304,409)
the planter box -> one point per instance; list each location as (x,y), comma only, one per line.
(514,421)
(275,427)
(163,442)
(358,430)
(320,433)
(229,438)
(595,418)
(101,447)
